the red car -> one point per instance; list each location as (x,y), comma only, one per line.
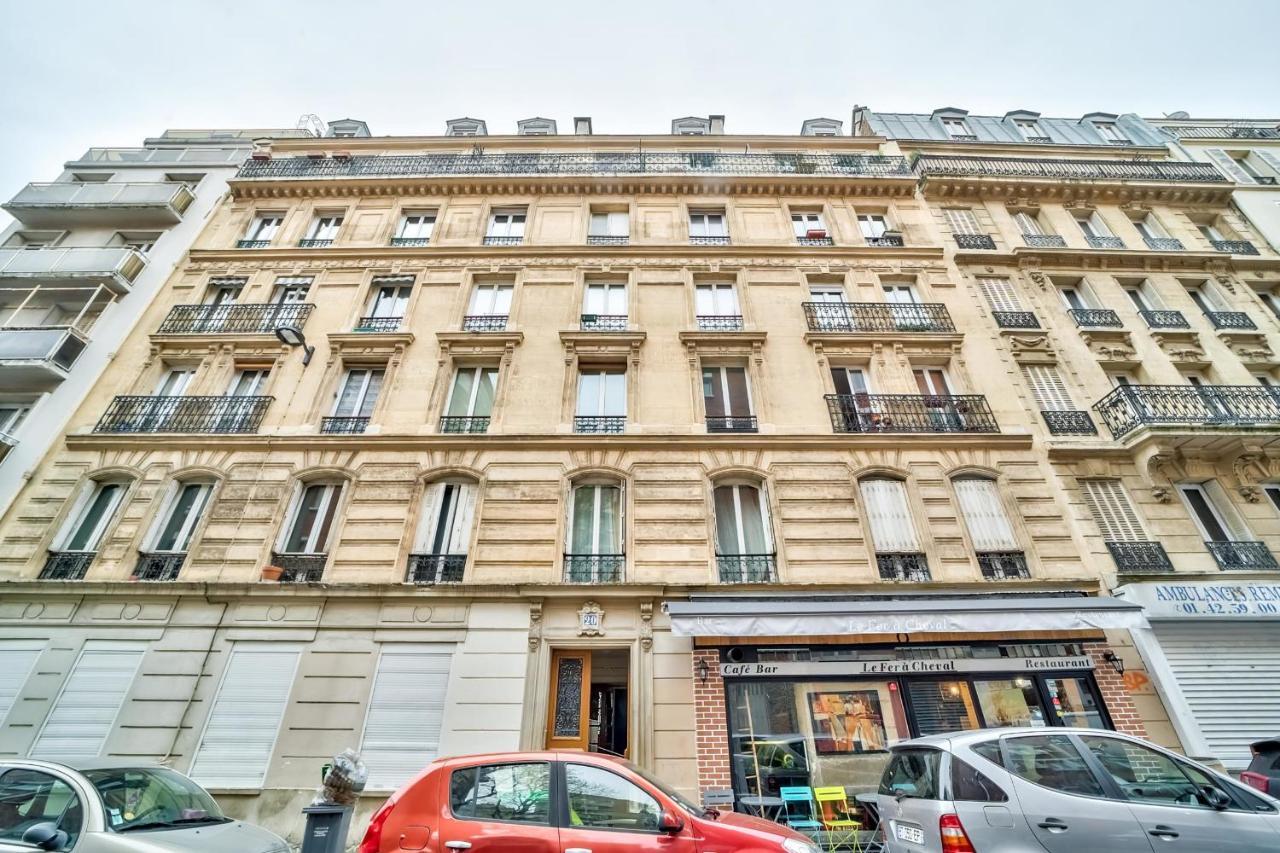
(559,802)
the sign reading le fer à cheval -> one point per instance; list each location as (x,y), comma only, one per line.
(1209,600)
(931,666)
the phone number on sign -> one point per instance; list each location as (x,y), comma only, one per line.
(1212,608)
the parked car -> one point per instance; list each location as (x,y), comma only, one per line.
(559,802)
(116,807)
(1064,791)
(1264,769)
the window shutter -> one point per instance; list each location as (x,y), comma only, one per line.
(406,712)
(961,220)
(1028,224)
(371,394)
(1227,163)
(17,657)
(984,515)
(240,735)
(1112,511)
(1047,387)
(1000,294)
(460,533)
(889,516)
(85,711)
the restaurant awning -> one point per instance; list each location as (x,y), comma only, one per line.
(777,616)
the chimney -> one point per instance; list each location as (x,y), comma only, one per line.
(582,125)
(717,125)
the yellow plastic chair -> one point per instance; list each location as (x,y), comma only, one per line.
(833,809)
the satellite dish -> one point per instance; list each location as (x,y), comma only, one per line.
(1180,114)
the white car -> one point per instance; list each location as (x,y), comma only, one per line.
(117,807)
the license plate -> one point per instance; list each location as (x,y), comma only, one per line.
(903,832)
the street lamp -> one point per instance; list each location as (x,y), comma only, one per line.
(292,336)
(1114,660)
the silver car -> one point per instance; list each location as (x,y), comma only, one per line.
(1032,790)
(115,807)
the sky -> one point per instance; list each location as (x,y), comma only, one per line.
(82,73)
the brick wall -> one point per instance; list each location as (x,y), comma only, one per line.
(712,722)
(1124,716)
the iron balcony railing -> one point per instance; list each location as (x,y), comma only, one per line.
(1128,407)
(1242,556)
(210,414)
(1068,422)
(1039,140)
(877,317)
(886,241)
(1219,131)
(747,568)
(1003,565)
(378,324)
(1016,319)
(464,423)
(606,240)
(1095,318)
(314,243)
(929,165)
(1099,242)
(115,264)
(1045,241)
(585,164)
(244,319)
(1234,247)
(732,423)
(484,323)
(600,424)
(815,241)
(1230,320)
(974,241)
(300,568)
(603,322)
(253,244)
(910,413)
(339,425)
(594,568)
(1164,244)
(1165,319)
(66,565)
(1140,558)
(491,240)
(436,568)
(59,346)
(719,322)
(410,242)
(903,567)
(174,196)
(158,566)
(722,240)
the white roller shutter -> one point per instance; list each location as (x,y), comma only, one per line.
(406,710)
(240,735)
(1000,294)
(984,515)
(1112,511)
(889,515)
(86,709)
(17,657)
(1048,388)
(1229,673)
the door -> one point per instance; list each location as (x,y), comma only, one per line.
(568,720)
(941,408)
(607,813)
(498,808)
(904,307)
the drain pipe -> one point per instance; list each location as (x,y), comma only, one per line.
(191,697)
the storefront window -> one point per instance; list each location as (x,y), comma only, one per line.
(942,706)
(1074,703)
(1009,702)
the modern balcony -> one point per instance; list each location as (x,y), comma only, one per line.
(600,424)
(314,243)
(910,413)
(1242,556)
(343,425)
(912,567)
(732,423)
(429,569)
(722,240)
(66,565)
(1129,407)
(1016,319)
(484,323)
(235,319)
(607,240)
(1231,320)
(1100,242)
(374,325)
(1139,558)
(300,568)
(410,242)
(37,358)
(214,415)
(747,568)
(120,205)
(1164,244)
(1069,422)
(1045,241)
(603,322)
(158,566)
(594,568)
(1095,318)
(1165,319)
(492,240)
(162,156)
(114,267)
(471,424)
(1234,247)
(719,322)
(1003,565)
(930,165)
(1221,131)
(975,241)
(931,317)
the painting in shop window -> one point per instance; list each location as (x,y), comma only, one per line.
(847,722)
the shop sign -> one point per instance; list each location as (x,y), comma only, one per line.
(1205,599)
(917,666)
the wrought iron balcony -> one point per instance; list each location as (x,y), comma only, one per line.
(410,242)
(732,423)
(1242,556)
(1128,407)
(1140,558)
(975,241)
(1165,319)
(815,241)
(491,240)
(1220,131)
(1164,244)
(1234,247)
(964,137)
(594,568)
(338,425)
(929,165)
(242,319)
(903,567)
(720,322)
(1096,318)
(253,244)
(300,568)
(1098,242)
(314,243)
(38,356)
(378,324)
(886,241)
(1003,565)
(158,566)
(1068,422)
(709,241)
(66,565)
(1230,320)
(1045,241)
(436,568)
(464,423)
(484,323)
(606,240)
(62,204)
(910,413)
(1039,140)
(600,424)
(603,322)
(585,164)
(115,267)
(206,414)
(747,568)
(1016,319)
(878,317)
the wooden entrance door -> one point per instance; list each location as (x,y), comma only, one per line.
(568,710)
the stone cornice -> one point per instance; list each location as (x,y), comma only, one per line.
(1062,190)
(501,143)
(1210,263)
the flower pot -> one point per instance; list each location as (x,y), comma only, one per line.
(272,573)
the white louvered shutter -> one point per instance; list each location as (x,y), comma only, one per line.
(86,709)
(406,711)
(984,515)
(961,220)
(892,531)
(17,657)
(240,735)
(1000,294)
(1112,511)
(1227,163)
(460,533)
(1048,388)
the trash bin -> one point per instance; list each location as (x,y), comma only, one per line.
(327,828)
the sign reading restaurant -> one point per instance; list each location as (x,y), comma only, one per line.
(1204,599)
(915,666)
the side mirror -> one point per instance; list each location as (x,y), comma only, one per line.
(45,836)
(1215,797)
(670,823)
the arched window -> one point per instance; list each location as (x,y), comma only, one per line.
(999,555)
(85,527)
(303,548)
(165,547)
(444,532)
(899,555)
(744,538)
(594,552)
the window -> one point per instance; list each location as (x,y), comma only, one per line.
(957,128)
(473,392)
(359,394)
(849,380)
(314,510)
(942,706)
(1075,297)
(914,773)
(224,291)
(831,293)
(416,225)
(85,711)
(961,220)
(1047,387)
(612,223)
(92,177)
(1051,761)
(1210,232)
(1092,226)
(1028,224)
(389,300)
(968,784)
(595,520)
(1204,298)
(141,242)
(406,712)
(324,228)
(726,396)
(984,515)
(605,300)
(32,797)
(507,223)
(1150,228)
(518,793)
(716,300)
(889,516)
(174,381)
(491,300)
(1030,130)
(1272,491)
(1208,507)
(742,525)
(599,799)
(602,392)
(12,414)
(1110,133)
(177,522)
(872,225)
(88,522)
(803,224)
(1000,294)
(448,509)
(248,382)
(263,228)
(707,223)
(1145,775)
(291,290)
(932,382)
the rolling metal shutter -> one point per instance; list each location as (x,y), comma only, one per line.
(86,709)
(1230,675)
(17,657)
(406,710)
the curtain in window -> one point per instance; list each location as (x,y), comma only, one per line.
(984,515)
(889,516)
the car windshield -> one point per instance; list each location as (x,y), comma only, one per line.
(680,800)
(152,797)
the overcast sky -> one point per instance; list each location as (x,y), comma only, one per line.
(110,72)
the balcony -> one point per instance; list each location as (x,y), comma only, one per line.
(1165,319)
(429,569)
(300,568)
(491,240)
(1100,242)
(600,424)
(1016,319)
(1068,422)
(410,242)
(1164,244)
(732,423)
(877,317)
(314,243)
(974,241)
(158,567)
(1129,407)
(1242,556)
(1221,131)
(603,322)
(471,424)
(1234,247)
(747,568)
(162,156)
(606,240)
(339,425)
(484,323)
(202,415)
(815,241)
(378,324)
(886,241)
(1003,565)
(903,567)
(719,322)
(1139,558)
(236,319)
(36,358)
(930,165)
(910,413)
(1230,320)
(594,568)
(1045,241)
(120,205)
(66,565)
(1095,318)
(114,267)
(709,241)
(253,244)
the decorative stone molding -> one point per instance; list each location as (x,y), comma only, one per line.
(535,624)
(591,620)
(1249,468)
(1111,347)
(1159,471)
(379,346)
(1182,349)
(614,345)
(500,346)
(646,626)
(1031,349)
(733,344)
(1252,350)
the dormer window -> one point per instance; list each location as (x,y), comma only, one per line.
(536,127)
(691,126)
(1111,133)
(466,127)
(957,128)
(1030,130)
(347,128)
(821,127)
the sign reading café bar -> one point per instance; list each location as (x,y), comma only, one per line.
(1205,599)
(915,666)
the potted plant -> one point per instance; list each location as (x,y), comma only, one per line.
(272,573)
